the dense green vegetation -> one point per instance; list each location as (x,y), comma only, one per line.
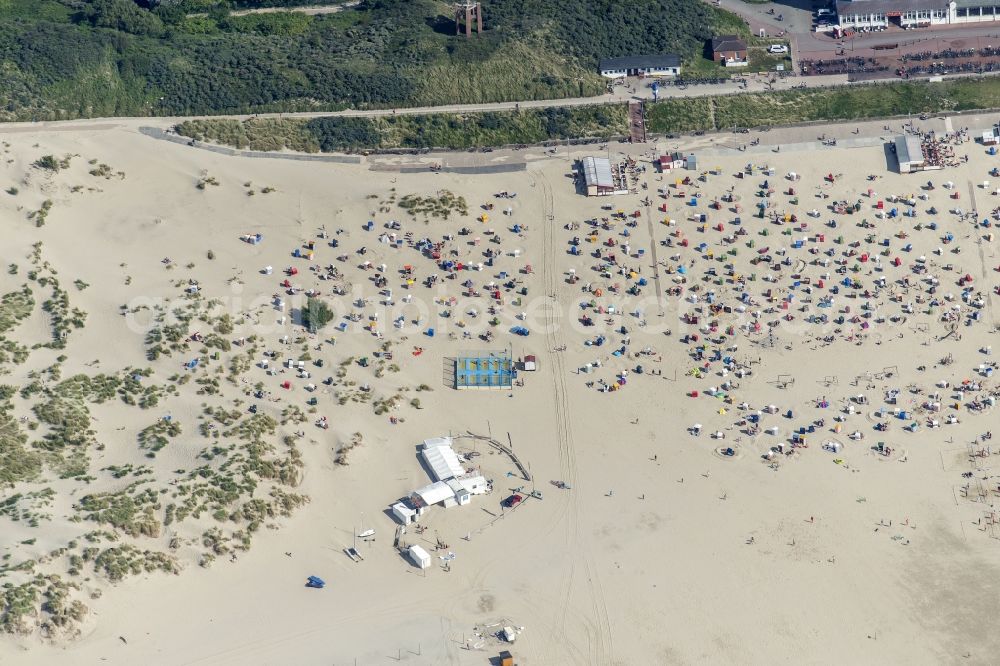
(20,604)
(669,115)
(73,58)
(17,462)
(845,103)
(316,314)
(440,130)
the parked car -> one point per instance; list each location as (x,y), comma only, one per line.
(512,501)
(777,48)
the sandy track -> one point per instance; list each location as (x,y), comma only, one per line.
(601,643)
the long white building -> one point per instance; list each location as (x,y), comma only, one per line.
(452,485)
(868,14)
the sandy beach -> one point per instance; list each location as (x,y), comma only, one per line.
(835,504)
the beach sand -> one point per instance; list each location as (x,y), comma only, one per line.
(661,550)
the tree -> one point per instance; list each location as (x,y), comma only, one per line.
(316,314)
(123,15)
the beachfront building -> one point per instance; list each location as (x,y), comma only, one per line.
(601,178)
(452,484)
(665,64)
(881,14)
(909,154)
(991,137)
(440,458)
(677,160)
(403,513)
(671,161)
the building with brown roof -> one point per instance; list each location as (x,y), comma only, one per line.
(729,50)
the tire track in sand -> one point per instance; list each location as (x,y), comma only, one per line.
(601,638)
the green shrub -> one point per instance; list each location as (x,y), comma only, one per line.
(316,314)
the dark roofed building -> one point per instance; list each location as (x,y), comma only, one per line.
(666,64)
(729,49)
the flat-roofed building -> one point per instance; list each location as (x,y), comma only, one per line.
(665,64)
(881,14)
(601,178)
(910,154)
